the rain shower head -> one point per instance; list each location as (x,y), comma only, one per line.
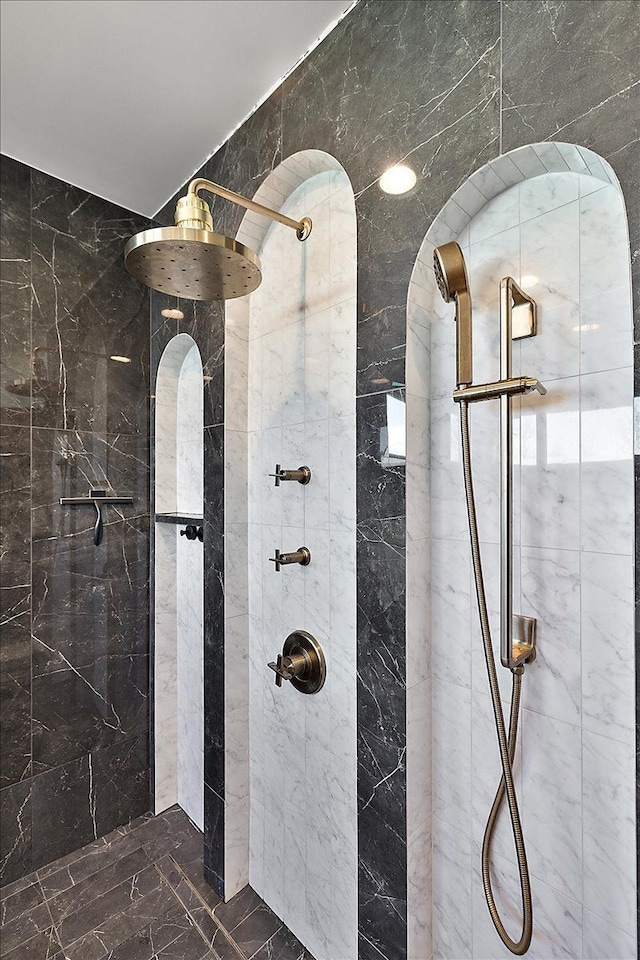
(191,261)
(453,284)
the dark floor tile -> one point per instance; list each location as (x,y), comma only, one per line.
(44,946)
(238,908)
(221,942)
(26,898)
(154,937)
(283,945)
(254,931)
(166,832)
(188,946)
(83,893)
(96,859)
(25,927)
(194,874)
(111,903)
(189,893)
(115,929)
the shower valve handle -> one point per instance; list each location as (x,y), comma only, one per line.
(302,475)
(302,556)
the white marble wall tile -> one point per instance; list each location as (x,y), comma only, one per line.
(451,611)
(490,555)
(549,478)
(316,494)
(452,897)
(557,930)
(236,651)
(342,358)
(552,801)
(302,410)
(528,162)
(452,754)
(608,646)
(190,672)
(547,193)
(448,514)
(236,582)
(606,490)
(418,362)
(494,217)
(235,488)
(605,333)
(418,474)
(418,755)
(342,485)
(418,624)
(550,273)
(469,198)
(609,857)
(236,753)
(165,713)
(488,262)
(419,939)
(486,771)
(236,846)
(236,390)
(551,593)
(603,941)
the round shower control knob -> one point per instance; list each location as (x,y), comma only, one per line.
(301,662)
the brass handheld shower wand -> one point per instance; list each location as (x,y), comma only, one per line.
(451,277)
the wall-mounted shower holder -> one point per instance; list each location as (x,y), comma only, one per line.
(302,475)
(302,662)
(302,556)
(97,499)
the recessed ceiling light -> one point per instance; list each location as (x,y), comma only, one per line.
(121,359)
(173,314)
(397,179)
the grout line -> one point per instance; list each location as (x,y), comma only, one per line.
(211,913)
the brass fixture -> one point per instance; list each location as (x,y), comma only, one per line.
(302,556)
(453,283)
(517,633)
(302,662)
(190,260)
(302,475)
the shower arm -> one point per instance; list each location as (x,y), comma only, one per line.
(301,227)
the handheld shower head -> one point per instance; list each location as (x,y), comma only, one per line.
(453,283)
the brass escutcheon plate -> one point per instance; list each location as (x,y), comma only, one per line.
(301,642)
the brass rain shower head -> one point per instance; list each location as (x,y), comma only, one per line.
(191,261)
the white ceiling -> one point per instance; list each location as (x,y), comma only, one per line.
(127,98)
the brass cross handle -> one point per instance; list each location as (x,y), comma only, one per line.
(302,662)
(302,475)
(302,556)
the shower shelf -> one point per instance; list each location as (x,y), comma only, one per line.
(179,518)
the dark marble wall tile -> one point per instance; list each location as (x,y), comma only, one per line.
(579,58)
(15,506)
(74,648)
(15,832)
(15,285)
(15,691)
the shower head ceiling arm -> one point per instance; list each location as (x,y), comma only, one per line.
(191,201)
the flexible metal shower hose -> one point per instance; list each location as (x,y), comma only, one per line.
(507,746)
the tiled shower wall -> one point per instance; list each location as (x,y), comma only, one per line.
(446,86)
(563,237)
(74,650)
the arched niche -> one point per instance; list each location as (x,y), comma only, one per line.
(178,714)
(552,216)
(290,364)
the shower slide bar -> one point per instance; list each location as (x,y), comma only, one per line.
(98,499)
(518,318)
